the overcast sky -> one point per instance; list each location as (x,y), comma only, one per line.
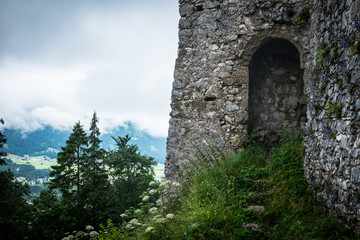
(62,59)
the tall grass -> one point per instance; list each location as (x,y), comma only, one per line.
(255,194)
(292,209)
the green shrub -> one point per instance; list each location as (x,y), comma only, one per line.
(112,232)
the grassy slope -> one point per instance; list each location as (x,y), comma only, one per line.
(158,169)
(35,161)
(217,201)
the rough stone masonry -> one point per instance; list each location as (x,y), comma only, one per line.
(272,68)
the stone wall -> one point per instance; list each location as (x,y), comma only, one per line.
(217,40)
(230,79)
(332,162)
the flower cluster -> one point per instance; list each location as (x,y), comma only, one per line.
(134,223)
(153,209)
(152,191)
(159,219)
(146,198)
(88,234)
(152,184)
(89,228)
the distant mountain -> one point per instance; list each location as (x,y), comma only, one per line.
(48,141)
(148,145)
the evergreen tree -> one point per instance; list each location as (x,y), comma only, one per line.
(68,173)
(94,169)
(82,178)
(96,185)
(14,211)
(2,142)
(131,172)
(51,218)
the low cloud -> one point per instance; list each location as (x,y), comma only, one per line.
(57,67)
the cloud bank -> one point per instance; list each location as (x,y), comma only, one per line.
(61,60)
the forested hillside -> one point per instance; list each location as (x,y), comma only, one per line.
(38,142)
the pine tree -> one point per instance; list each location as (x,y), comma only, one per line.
(130,171)
(67,174)
(51,217)
(96,184)
(14,211)
(2,142)
(94,164)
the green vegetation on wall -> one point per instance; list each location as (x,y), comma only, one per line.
(303,17)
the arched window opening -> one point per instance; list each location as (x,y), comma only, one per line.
(277,103)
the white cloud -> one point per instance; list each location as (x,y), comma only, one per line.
(153,149)
(27,91)
(117,59)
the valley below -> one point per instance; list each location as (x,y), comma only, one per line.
(31,155)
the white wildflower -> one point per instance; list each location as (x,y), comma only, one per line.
(152,183)
(160,220)
(134,221)
(159,202)
(123,215)
(152,192)
(129,226)
(165,183)
(153,210)
(176,184)
(93,234)
(156,217)
(89,228)
(146,198)
(170,216)
(149,229)
(137,211)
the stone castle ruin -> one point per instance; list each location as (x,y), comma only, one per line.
(274,67)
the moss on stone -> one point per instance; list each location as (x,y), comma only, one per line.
(303,17)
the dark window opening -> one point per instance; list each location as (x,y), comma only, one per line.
(277,104)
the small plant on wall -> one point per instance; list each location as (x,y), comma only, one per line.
(302,18)
(334,109)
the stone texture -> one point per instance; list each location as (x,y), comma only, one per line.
(332,160)
(219,97)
